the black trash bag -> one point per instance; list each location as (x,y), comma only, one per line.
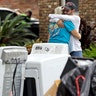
(77,80)
(93,82)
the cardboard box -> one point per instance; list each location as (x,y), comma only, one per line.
(52,91)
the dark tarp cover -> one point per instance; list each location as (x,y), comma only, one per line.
(78,80)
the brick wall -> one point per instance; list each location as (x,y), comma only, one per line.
(87,10)
(45,7)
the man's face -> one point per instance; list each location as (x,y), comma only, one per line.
(67,11)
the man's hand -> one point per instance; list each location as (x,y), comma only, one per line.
(60,23)
(76,34)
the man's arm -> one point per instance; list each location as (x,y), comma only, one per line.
(61,16)
(71,28)
(73,18)
(76,34)
(60,23)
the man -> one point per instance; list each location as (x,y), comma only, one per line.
(69,9)
(61,35)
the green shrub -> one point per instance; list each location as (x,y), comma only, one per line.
(13,32)
(90,52)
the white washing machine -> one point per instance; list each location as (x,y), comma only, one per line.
(12,70)
(1,76)
(44,65)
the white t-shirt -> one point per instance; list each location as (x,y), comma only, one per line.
(74,43)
